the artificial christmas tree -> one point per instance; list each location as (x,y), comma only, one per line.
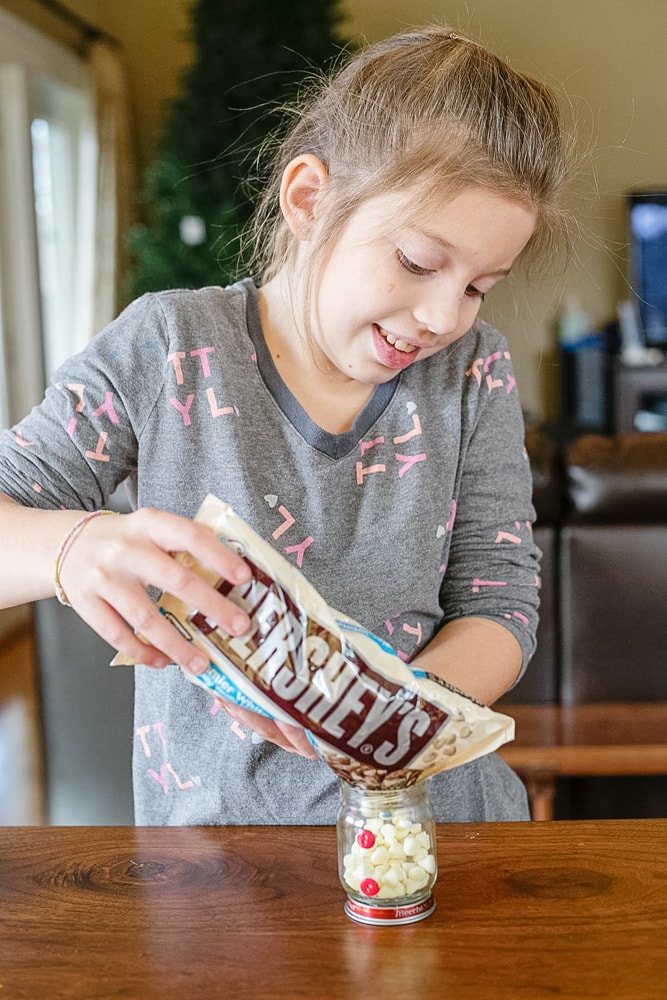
(251,58)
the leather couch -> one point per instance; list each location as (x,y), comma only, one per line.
(601,504)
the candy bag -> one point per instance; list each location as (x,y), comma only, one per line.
(374,721)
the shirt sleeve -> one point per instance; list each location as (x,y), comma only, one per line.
(81,442)
(493,563)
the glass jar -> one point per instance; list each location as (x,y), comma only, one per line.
(386,854)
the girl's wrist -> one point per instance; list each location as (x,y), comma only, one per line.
(65,545)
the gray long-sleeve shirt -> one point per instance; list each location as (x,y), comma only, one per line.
(418,515)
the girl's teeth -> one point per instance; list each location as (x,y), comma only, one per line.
(400,345)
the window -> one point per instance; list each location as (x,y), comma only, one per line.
(64,171)
(48,177)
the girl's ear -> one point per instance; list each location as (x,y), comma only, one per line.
(303,180)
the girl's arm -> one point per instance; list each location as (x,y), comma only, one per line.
(105,574)
(490,590)
(106,569)
(476,655)
(30,540)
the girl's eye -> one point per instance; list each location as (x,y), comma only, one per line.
(410,265)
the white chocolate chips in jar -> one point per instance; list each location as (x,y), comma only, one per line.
(386,853)
(389,859)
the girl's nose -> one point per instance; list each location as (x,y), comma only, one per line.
(439,312)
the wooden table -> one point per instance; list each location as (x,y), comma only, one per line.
(590,740)
(525,911)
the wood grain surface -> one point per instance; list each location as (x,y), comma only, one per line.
(524,910)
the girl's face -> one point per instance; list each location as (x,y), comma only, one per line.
(391,294)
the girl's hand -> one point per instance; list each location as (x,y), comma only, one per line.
(290,738)
(106,571)
(112,561)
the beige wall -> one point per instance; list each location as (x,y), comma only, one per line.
(609,57)
(608,54)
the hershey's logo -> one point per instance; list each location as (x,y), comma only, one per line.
(321,682)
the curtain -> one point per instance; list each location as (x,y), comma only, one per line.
(115,186)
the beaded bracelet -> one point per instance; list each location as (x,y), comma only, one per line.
(64,547)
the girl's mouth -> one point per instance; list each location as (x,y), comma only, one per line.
(400,345)
(391,351)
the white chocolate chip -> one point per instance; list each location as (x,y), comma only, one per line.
(428,863)
(410,845)
(379,855)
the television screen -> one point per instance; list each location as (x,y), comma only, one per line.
(647,213)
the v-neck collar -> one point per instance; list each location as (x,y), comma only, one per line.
(333,445)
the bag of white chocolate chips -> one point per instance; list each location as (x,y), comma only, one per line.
(374,721)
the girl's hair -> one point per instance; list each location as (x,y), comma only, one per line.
(431,111)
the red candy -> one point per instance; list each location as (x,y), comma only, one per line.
(369,887)
(365,838)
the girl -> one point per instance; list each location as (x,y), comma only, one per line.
(348,404)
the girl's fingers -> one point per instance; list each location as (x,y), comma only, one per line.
(157,632)
(113,561)
(146,549)
(170,647)
(298,739)
(290,738)
(109,566)
(161,570)
(172,533)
